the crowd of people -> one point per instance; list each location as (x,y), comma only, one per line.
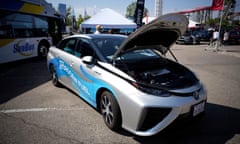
(215,37)
(222,38)
(99,30)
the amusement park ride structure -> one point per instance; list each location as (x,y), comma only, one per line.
(226,6)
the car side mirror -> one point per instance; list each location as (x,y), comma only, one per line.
(89,60)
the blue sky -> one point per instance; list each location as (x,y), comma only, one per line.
(120,6)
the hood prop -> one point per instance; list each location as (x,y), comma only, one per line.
(175,58)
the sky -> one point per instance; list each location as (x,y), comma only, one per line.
(120,6)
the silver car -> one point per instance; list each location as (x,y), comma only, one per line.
(129,79)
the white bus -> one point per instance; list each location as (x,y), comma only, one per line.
(27,29)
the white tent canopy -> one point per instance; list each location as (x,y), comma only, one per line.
(147,20)
(193,24)
(108,18)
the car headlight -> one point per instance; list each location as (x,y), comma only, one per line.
(153,90)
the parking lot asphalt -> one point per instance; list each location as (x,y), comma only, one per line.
(32,110)
(231,50)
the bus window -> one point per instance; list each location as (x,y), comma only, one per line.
(25,33)
(41,26)
(6,31)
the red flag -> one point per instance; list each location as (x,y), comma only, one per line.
(217,5)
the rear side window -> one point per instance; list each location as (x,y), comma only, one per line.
(68,45)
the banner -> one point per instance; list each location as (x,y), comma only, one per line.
(62,9)
(217,5)
(74,22)
(138,15)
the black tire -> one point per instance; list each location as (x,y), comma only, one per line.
(54,77)
(110,111)
(43,49)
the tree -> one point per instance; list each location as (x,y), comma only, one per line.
(235,23)
(81,19)
(69,16)
(131,10)
(229,6)
(215,22)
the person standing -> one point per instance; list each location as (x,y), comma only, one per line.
(98,29)
(215,35)
(216,39)
(210,37)
(225,37)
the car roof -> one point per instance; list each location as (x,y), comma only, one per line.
(92,36)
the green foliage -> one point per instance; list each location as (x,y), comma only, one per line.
(131,10)
(81,19)
(69,16)
(236,23)
(211,22)
(216,22)
(69,19)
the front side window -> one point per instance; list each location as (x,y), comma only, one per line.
(84,48)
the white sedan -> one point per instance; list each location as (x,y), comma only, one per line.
(129,79)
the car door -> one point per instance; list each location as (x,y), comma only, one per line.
(85,76)
(65,61)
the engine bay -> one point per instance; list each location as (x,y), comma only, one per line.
(159,72)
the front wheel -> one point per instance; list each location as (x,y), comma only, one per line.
(110,111)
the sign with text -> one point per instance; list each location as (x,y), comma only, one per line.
(138,15)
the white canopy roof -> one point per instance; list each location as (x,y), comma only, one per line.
(147,20)
(193,24)
(108,18)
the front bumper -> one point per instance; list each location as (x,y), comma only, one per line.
(148,115)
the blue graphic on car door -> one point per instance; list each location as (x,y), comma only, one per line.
(82,78)
(77,80)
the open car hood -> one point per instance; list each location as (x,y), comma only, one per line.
(159,34)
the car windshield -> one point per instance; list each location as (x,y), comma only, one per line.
(142,54)
(108,45)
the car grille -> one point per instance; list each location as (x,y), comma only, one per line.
(152,117)
(186,94)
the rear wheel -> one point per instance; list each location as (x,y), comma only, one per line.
(43,49)
(54,76)
(110,111)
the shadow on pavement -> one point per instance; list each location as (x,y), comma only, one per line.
(19,77)
(219,125)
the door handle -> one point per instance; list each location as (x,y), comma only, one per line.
(97,72)
(72,63)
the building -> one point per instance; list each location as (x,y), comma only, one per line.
(158,8)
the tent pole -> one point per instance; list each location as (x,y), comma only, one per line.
(219,29)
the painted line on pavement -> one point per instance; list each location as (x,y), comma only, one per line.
(40,110)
